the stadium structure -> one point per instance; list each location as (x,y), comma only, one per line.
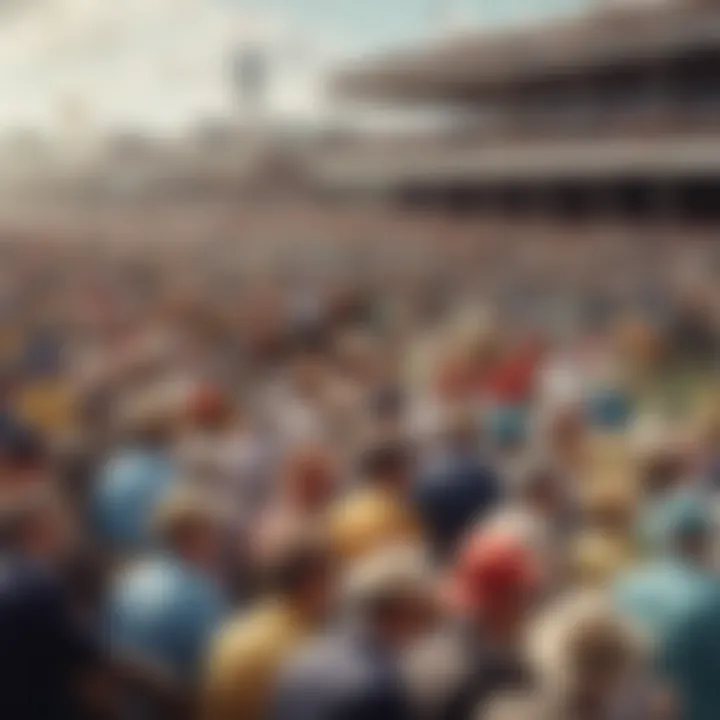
(615,114)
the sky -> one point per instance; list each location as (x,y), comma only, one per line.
(91,66)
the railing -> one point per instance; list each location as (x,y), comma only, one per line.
(525,131)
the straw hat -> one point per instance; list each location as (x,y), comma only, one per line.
(393,573)
(580,636)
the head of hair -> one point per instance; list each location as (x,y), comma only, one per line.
(300,557)
(384,460)
(599,646)
(19,516)
(181,513)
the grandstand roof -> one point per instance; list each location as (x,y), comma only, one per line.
(460,68)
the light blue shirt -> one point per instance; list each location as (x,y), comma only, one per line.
(166,612)
(656,596)
(691,657)
(131,485)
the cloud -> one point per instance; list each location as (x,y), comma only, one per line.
(157,64)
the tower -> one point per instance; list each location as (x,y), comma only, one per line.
(250,77)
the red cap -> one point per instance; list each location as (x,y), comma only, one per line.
(494,571)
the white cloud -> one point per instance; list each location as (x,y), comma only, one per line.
(158,64)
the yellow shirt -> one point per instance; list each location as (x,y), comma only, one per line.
(245,659)
(371,519)
(48,406)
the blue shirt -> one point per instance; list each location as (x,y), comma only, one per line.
(691,657)
(129,489)
(658,595)
(452,493)
(341,677)
(665,519)
(165,612)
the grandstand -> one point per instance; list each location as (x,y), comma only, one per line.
(613,114)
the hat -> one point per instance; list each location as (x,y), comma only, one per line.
(494,569)
(393,573)
(207,405)
(578,635)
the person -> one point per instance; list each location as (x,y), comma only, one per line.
(663,463)
(564,435)
(457,487)
(479,652)
(133,481)
(49,659)
(296,404)
(588,666)
(541,513)
(354,672)
(307,488)
(48,404)
(24,459)
(226,454)
(247,652)
(208,424)
(606,545)
(507,429)
(656,593)
(690,655)
(165,607)
(708,441)
(380,512)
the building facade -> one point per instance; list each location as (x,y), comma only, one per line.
(615,114)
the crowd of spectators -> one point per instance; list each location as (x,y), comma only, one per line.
(386,472)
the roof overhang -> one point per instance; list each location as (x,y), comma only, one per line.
(453,69)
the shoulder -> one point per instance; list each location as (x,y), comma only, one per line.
(436,668)
(149,586)
(247,638)
(515,707)
(30,584)
(326,661)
